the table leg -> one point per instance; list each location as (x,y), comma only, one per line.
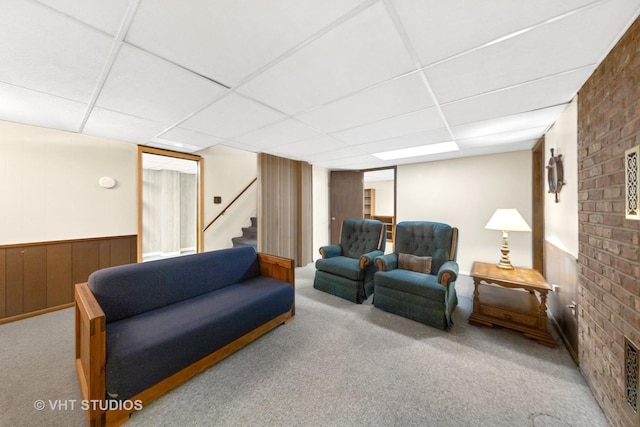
(543,310)
(476,296)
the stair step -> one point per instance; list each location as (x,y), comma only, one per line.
(243,241)
(250,232)
(249,235)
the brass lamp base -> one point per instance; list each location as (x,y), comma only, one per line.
(504,249)
(505,264)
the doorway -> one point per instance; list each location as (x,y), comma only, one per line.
(362,194)
(380,200)
(169,204)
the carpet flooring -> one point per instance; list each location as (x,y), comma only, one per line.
(335,364)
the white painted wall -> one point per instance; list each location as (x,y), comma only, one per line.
(49,185)
(465,193)
(561,219)
(227,171)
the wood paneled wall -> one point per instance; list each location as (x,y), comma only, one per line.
(285,208)
(562,270)
(38,277)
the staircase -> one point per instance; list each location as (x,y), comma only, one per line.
(249,235)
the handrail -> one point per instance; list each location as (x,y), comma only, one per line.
(230,203)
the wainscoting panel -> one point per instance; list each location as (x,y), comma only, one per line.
(39,277)
(59,274)
(562,270)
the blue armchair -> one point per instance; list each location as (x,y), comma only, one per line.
(406,285)
(346,269)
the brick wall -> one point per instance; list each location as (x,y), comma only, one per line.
(609,258)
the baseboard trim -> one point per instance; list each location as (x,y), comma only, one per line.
(564,338)
(35,313)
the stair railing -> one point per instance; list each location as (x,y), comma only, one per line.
(230,203)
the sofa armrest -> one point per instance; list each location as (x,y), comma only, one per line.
(330,251)
(448,273)
(387,262)
(278,268)
(369,257)
(90,351)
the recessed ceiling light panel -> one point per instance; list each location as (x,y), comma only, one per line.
(423,150)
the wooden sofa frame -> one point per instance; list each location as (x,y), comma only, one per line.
(91,350)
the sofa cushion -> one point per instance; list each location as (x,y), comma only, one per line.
(145,349)
(410,282)
(419,264)
(132,289)
(341,266)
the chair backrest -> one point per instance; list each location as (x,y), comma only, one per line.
(359,236)
(426,238)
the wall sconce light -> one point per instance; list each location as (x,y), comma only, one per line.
(507,220)
(107,182)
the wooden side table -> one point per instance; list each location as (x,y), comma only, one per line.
(516,308)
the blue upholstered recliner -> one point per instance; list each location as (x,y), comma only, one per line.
(402,287)
(346,269)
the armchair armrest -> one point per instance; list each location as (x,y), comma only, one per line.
(366,259)
(387,262)
(448,273)
(330,251)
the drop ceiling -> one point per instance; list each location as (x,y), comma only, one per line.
(328,82)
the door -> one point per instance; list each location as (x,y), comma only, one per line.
(169,204)
(346,195)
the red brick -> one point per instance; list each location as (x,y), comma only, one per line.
(609,258)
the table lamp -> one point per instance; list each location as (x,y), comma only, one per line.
(506,220)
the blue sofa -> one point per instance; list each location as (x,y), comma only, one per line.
(160,322)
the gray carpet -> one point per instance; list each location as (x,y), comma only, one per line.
(335,364)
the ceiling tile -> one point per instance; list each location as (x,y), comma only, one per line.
(337,155)
(246,147)
(361,52)
(467,22)
(310,147)
(406,141)
(146,86)
(560,46)
(496,139)
(398,96)
(169,145)
(542,117)
(189,137)
(238,37)
(232,116)
(280,133)
(58,56)
(470,150)
(104,15)
(528,97)
(419,121)
(109,124)
(36,108)
(357,161)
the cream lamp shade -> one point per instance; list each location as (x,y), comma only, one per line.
(506,220)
